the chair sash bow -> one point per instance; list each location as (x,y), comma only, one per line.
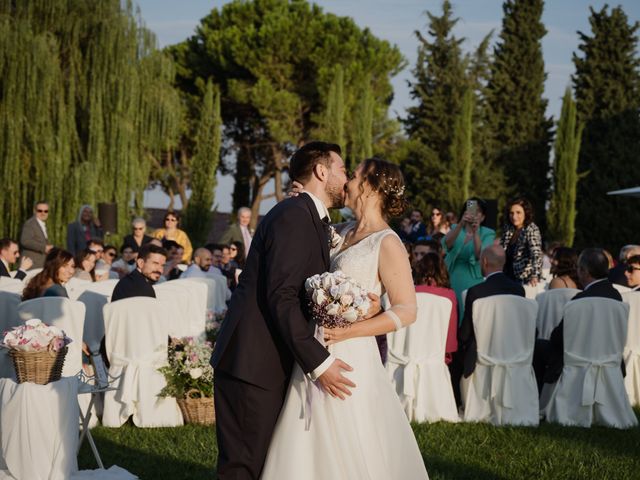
(499,380)
(129,371)
(593,390)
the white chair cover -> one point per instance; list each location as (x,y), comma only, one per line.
(502,389)
(8,318)
(550,307)
(65,314)
(12,285)
(93,320)
(136,341)
(631,351)
(216,291)
(38,429)
(30,274)
(187,302)
(531,292)
(104,287)
(590,389)
(621,288)
(75,287)
(416,363)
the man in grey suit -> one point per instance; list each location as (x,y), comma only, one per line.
(34,238)
(239,232)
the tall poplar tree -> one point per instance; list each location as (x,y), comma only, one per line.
(204,165)
(607,90)
(521,133)
(562,209)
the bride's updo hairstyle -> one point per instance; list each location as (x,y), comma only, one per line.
(386,179)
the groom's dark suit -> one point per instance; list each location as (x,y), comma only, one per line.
(265,331)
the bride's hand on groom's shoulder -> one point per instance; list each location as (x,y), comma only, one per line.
(375,307)
(296,189)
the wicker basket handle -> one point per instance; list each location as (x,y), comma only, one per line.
(191,391)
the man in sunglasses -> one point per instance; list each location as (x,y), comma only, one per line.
(632,272)
(34,238)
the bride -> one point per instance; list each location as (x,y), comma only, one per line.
(366,435)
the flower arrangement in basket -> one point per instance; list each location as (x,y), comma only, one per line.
(190,379)
(213,324)
(336,300)
(37,351)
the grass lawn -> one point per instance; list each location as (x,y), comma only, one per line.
(450,451)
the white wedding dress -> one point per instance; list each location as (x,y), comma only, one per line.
(365,436)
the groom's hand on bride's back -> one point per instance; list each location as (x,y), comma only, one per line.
(334,383)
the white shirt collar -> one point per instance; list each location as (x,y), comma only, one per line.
(594,282)
(323,211)
(493,273)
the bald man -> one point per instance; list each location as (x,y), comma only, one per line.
(492,260)
(202,259)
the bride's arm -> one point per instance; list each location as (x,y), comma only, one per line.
(395,275)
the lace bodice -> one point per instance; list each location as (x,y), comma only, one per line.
(360,261)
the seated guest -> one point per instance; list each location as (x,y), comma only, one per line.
(236,251)
(149,265)
(110,254)
(58,269)
(416,228)
(139,236)
(617,274)
(564,268)
(632,272)
(593,268)
(422,247)
(431,277)
(216,259)
(174,258)
(82,230)
(102,268)
(496,282)
(85,265)
(201,262)
(9,254)
(126,263)
(172,232)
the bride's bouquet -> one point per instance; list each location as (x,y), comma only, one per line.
(336,300)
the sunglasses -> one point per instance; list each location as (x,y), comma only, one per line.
(42,211)
(631,268)
(111,254)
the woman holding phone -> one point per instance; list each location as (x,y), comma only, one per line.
(462,246)
(522,242)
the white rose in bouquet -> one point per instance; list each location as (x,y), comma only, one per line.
(350,315)
(333,309)
(319,297)
(346,299)
(195,373)
(327,282)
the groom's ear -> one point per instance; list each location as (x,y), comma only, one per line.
(320,171)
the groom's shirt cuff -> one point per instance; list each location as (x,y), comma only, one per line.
(320,369)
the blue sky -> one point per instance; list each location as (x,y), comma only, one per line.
(397,20)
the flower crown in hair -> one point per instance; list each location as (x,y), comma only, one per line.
(393,190)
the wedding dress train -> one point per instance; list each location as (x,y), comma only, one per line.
(367,435)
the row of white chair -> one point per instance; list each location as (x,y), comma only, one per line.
(502,389)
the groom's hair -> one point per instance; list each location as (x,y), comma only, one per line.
(308,156)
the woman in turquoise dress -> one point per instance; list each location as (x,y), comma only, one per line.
(462,247)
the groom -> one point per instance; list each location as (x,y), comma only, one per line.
(267,329)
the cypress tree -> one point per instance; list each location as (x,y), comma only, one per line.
(204,165)
(362,144)
(521,133)
(562,209)
(607,90)
(458,178)
(440,83)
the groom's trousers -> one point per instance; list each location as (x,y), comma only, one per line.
(246,416)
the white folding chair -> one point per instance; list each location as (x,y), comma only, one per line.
(621,288)
(136,333)
(8,284)
(9,302)
(416,363)
(502,389)
(550,306)
(65,314)
(591,389)
(631,351)
(187,302)
(76,286)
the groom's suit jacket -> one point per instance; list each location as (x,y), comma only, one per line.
(267,327)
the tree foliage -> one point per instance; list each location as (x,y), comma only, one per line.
(86,104)
(520,131)
(279,64)
(204,166)
(562,209)
(607,91)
